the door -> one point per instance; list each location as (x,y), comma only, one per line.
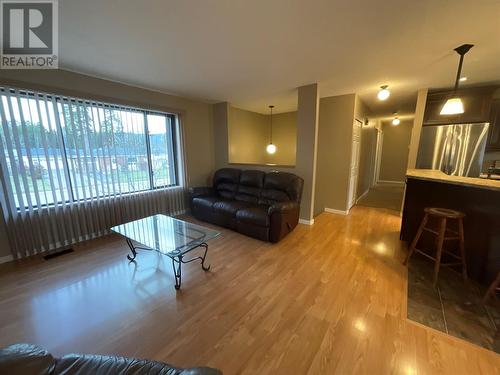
(354,171)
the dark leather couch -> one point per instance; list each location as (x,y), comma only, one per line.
(27,359)
(258,204)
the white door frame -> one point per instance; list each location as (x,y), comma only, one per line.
(352,202)
(378,156)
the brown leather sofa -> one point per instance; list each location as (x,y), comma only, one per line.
(27,359)
(258,204)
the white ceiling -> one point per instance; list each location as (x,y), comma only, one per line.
(253,53)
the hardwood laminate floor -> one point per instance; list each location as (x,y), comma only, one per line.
(328,299)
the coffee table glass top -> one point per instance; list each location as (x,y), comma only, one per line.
(172,237)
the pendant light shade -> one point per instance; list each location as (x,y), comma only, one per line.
(271,148)
(454,105)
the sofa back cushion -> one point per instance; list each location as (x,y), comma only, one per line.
(226,182)
(250,186)
(281,187)
(257,187)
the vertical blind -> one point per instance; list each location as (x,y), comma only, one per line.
(72,168)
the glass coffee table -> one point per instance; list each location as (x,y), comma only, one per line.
(168,236)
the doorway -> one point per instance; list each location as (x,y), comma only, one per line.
(391,157)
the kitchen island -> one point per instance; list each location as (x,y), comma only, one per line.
(478,198)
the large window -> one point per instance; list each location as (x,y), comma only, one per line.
(59,150)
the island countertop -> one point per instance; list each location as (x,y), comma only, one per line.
(438,176)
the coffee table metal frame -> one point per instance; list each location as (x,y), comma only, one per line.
(177,257)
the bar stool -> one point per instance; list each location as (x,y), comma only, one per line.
(444,233)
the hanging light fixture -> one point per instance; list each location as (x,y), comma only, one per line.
(384,93)
(396,121)
(454,105)
(271,148)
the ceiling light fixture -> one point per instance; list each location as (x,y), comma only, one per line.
(271,149)
(463,79)
(454,105)
(396,121)
(384,93)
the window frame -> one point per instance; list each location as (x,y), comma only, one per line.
(172,123)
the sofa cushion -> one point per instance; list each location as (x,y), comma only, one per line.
(26,359)
(227,207)
(204,202)
(75,364)
(254,215)
(250,186)
(226,182)
(252,178)
(280,187)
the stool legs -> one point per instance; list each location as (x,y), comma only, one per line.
(417,237)
(461,242)
(492,289)
(441,236)
(439,249)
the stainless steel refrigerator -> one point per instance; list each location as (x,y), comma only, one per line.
(456,150)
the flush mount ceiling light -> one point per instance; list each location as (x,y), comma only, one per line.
(454,105)
(396,121)
(271,149)
(384,93)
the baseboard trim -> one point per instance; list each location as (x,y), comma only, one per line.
(306,222)
(390,182)
(7,258)
(338,212)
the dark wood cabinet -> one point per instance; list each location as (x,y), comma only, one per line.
(493,143)
(482,221)
(477,105)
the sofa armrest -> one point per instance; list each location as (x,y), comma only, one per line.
(283,207)
(284,216)
(200,191)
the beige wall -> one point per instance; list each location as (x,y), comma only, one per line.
(306,143)
(395,147)
(220,125)
(367,149)
(248,136)
(336,116)
(196,116)
(285,139)
(417,127)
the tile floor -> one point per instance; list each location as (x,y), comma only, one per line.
(453,306)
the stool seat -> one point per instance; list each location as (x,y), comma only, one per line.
(444,212)
(443,233)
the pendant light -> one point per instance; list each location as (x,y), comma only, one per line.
(454,105)
(271,149)
(384,93)
(396,121)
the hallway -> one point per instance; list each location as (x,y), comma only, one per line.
(388,196)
